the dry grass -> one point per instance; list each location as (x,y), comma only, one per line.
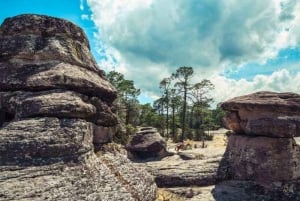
(164,195)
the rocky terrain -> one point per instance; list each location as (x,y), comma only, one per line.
(55,110)
(57,122)
(259,163)
(264,149)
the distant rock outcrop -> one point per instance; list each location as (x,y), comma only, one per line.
(55,107)
(264,148)
(147,144)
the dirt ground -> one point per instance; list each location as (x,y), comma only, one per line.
(213,149)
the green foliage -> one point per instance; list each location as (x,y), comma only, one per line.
(123,134)
(121,137)
(189,133)
(130,130)
(127,105)
(183,110)
(217,115)
(183,77)
(198,134)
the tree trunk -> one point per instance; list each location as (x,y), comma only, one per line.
(183,114)
(173,123)
(167,120)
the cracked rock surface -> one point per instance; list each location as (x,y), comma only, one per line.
(55,108)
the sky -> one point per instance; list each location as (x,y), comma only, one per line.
(241,46)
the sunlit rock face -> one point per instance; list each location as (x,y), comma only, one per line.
(55,107)
(264,147)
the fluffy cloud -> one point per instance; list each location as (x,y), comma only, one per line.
(147,40)
(279,81)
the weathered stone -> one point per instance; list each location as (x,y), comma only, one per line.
(264,113)
(55,105)
(90,179)
(39,37)
(263,159)
(146,144)
(284,126)
(44,140)
(180,173)
(46,76)
(173,171)
(103,135)
(138,181)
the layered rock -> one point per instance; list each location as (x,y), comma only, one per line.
(55,107)
(264,147)
(147,144)
(264,113)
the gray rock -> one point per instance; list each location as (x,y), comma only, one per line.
(44,140)
(180,173)
(264,151)
(146,144)
(264,113)
(55,105)
(263,159)
(37,37)
(54,75)
(187,156)
(90,179)
(103,135)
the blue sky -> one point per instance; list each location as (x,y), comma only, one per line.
(241,46)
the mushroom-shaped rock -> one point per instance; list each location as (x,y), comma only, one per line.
(55,108)
(265,145)
(264,113)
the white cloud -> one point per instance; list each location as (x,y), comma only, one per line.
(147,40)
(279,81)
(85,17)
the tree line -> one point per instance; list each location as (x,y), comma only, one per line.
(183,110)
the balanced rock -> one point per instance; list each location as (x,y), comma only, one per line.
(55,108)
(265,147)
(147,144)
(264,113)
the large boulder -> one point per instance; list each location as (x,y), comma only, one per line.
(264,147)
(55,109)
(263,159)
(147,144)
(264,113)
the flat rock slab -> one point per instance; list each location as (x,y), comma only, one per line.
(94,179)
(56,103)
(178,173)
(264,113)
(53,75)
(233,190)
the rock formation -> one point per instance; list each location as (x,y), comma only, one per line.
(264,148)
(55,107)
(147,144)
